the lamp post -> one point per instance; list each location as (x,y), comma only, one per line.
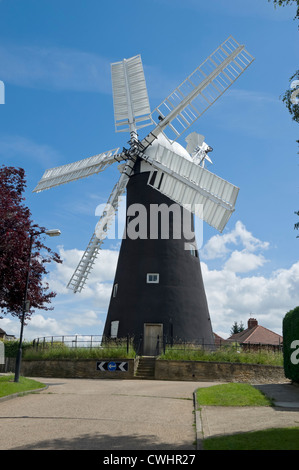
(51,233)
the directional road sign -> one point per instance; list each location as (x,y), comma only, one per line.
(112,366)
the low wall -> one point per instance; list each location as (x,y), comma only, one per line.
(9,365)
(218,371)
(164,370)
(83,369)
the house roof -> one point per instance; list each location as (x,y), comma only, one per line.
(218,339)
(257,335)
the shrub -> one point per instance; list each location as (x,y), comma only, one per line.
(11,347)
(290,331)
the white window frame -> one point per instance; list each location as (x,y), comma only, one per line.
(152,278)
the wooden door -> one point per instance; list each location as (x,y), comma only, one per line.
(153,337)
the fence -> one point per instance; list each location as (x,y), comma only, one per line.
(82,341)
(161,345)
(200,344)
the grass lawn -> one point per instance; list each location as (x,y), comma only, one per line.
(269,439)
(8,386)
(232,394)
(240,394)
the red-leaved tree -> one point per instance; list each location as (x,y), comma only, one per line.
(16,228)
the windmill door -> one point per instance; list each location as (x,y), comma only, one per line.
(153,337)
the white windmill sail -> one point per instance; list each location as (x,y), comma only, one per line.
(179,178)
(76,170)
(211,198)
(200,90)
(197,148)
(86,263)
(194,140)
(130,98)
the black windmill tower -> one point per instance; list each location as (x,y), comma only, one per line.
(158,288)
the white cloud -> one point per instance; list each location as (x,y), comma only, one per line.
(12,146)
(80,313)
(39,325)
(102,272)
(242,262)
(54,68)
(60,323)
(220,245)
(235,292)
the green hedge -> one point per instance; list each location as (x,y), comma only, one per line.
(11,347)
(290,329)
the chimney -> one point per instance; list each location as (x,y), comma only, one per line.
(252,322)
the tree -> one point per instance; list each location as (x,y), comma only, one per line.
(290,331)
(296,226)
(236,328)
(287,2)
(15,236)
(291,99)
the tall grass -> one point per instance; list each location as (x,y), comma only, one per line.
(224,354)
(179,352)
(57,351)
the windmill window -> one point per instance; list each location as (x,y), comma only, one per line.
(152,278)
(114,329)
(115,288)
(192,250)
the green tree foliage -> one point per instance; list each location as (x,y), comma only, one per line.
(236,328)
(290,328)
(291,101)
(15,229)
(296,226)
(284,3)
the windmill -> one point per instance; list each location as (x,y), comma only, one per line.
(158,287)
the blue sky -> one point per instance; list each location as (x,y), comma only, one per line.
(55,64)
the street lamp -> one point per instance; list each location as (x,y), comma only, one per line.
(51,233)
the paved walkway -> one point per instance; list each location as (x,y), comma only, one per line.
(101,415)
(74,414)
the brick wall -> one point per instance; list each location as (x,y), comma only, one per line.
(164,370)
(218,371)
(83,369)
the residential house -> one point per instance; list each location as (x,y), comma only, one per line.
(5,336)
(256,335)
(218,340)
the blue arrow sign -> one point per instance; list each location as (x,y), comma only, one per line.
(112,366)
